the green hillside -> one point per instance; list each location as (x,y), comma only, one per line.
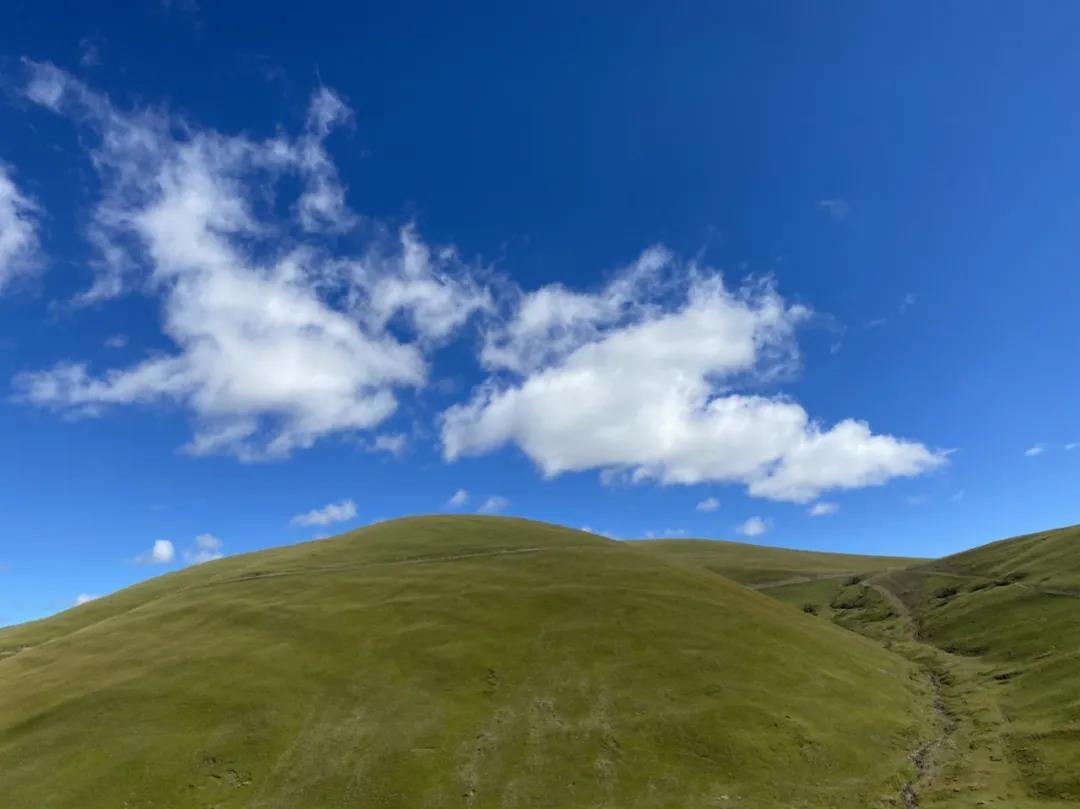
(452,662)
(998,628)
(758,565)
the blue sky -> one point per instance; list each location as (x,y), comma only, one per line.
(799,273)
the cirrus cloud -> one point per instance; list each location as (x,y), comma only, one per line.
(19,244)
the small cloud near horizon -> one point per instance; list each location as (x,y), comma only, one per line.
(161,553)
(667,533)
(493,505)
(206,548)
(823,509)
(84,598)
(753,527)
(458,499)
(708,504)
(330,513)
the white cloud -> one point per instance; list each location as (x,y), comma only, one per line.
(907,302)
(116,341)
(392,443)
(19,244)
(84,598)
(753,527)
(493,505)
(205,548)
(708,504)
(1037,449)
(459,499)
(642,379)
(279,341)
(161,553)
(1073,445)
(330,513)
(667,533)
(823,509)
(90,48)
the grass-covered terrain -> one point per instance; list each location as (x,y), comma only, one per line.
(758,565)
(998,630)
(452,662)
(487,662)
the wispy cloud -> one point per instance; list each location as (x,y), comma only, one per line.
(823,509)
(84,598)
(1072,445)
(205,548)
(493,505)
(162,552)
(666,533)
(458,499)
(19,245)
(116,341)
(332,512)
(90,50)
(708,504)
(1036,449)
(753,527)
(391,443)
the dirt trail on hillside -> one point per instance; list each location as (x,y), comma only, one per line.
(923,756)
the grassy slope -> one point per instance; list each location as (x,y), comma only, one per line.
(758,565)
(998,627)
(449,662)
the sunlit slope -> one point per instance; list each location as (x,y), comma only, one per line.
(1007,618)
(758,565)
(1016,605)
(449,662)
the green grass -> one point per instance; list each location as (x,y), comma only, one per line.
(452,662)
(999,628)
(758,565)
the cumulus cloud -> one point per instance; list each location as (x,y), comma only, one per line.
(84,598)
(708,504)
(753,527)
(19,244)
(823,509)
(1037,449)
(162,552)
(458,499)
(493,505)
(332,512)
(279,340)
(643,378)
(205,548)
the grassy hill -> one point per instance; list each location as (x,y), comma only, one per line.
(998,629)
(758,565)
(452,662)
